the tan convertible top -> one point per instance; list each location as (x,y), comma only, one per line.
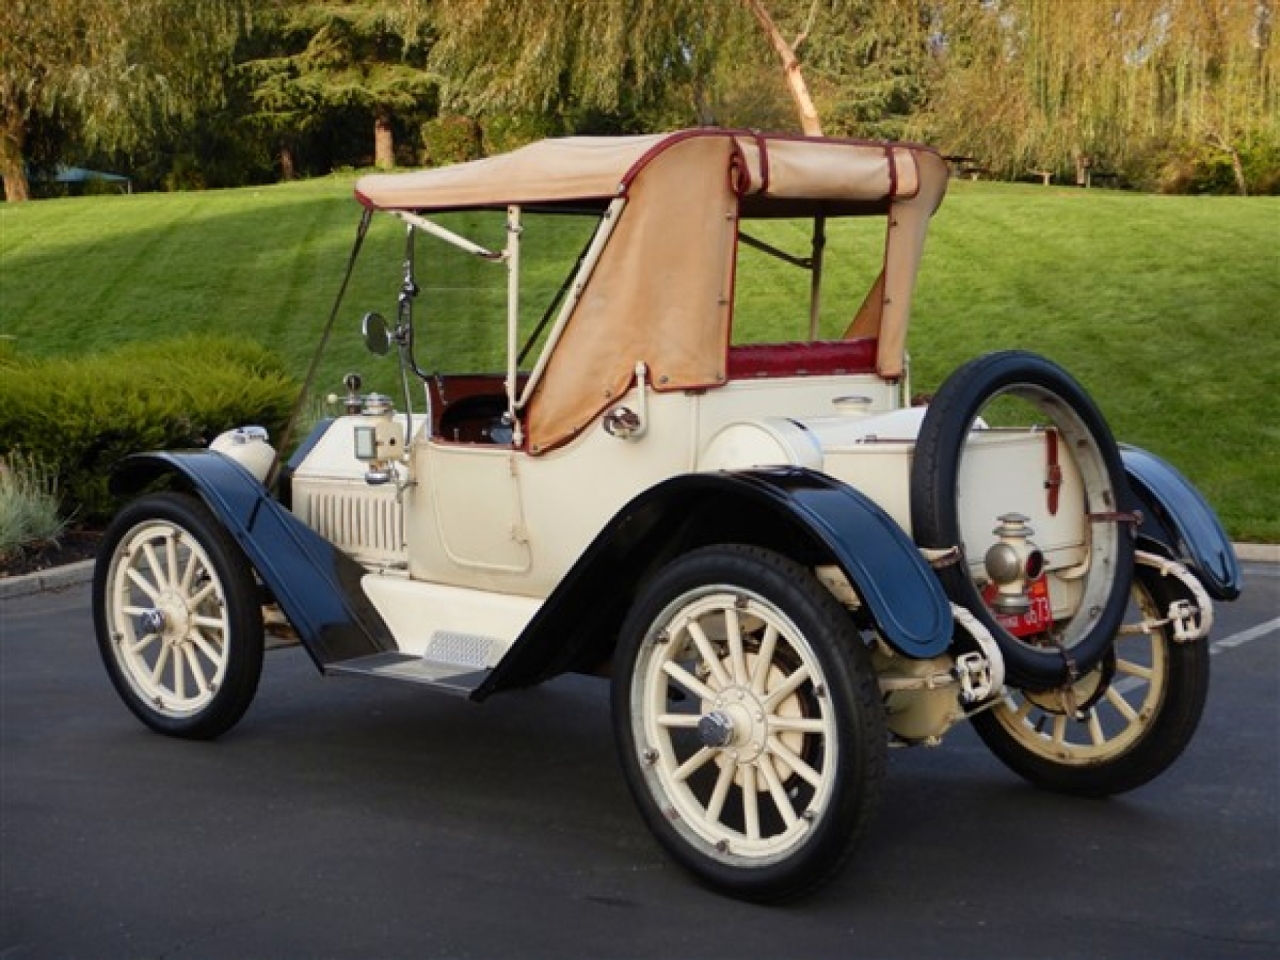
(662,292)
(549,171)
(599,168)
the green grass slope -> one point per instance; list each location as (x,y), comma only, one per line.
(1166,308)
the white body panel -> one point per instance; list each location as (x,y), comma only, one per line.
(496,519)
(471,497)
(434,621)
(480,534)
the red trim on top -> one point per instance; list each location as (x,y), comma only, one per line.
(763,147)
(819,358)
(739,172)
(848,141)
(761,138)
(661,146)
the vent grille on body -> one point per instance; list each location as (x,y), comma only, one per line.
(369,527)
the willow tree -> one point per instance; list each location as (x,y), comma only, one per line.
(1214,81)
(643,58)
(851,67)
(109,75)
(1044,85)
(563,57)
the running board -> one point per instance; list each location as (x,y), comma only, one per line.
(457,679)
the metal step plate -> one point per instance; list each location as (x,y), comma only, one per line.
(454,678)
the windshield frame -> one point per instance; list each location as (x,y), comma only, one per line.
(518,399)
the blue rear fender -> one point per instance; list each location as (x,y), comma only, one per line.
(1178,523)
(810,516)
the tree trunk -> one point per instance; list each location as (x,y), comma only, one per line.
(13,167)
(1237,167)
(384,145)
(809,121)
(1219,142)
(1084,166)
(288,168)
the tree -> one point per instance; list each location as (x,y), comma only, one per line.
(323,57)
(576,58)
(1125,84)
(106,75)
(857,61)
(1214,81)
(866,63)
(809,120)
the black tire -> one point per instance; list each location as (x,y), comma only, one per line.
(936,521)
(783,787)
(178,617)
(1035,735)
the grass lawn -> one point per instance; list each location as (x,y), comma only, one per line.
(1166,308)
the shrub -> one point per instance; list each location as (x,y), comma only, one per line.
(1199,167)
(28,504)
(78,417)
(450,139)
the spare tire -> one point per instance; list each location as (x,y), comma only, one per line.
(1079,642)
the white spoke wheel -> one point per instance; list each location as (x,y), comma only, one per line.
(177,615)
(1122,724)
(748,721)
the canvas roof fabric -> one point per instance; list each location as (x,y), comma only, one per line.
(661,293)
(599,168)
(549,171)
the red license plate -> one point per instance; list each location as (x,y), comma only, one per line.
(1036,620)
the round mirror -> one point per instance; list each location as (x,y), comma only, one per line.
(376,339)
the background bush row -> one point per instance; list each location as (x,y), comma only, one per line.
(78,417)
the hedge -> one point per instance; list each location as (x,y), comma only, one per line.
(77,417)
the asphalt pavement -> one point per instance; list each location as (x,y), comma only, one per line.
(351,818)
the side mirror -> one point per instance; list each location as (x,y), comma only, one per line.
(376,338)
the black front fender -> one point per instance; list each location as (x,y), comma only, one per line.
(810,516)
(315,583)
(1179,523)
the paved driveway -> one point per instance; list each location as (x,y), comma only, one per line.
(344,818)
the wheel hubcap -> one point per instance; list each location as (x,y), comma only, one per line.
(742,717)
(715,729)
(151,621)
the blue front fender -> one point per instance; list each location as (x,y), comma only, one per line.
(1180,521)
(315,583)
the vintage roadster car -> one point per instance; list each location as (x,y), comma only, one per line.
(698,471)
